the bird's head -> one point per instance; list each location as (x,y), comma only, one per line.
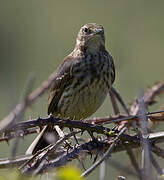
(91,37)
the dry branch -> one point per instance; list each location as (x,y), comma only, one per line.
(105,155)
(90,146)
(149,97)
(9,130)
(32,126)
(146,147)
(21,107)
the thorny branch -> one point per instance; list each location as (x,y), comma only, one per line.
(105,156)
(87,147)
(106,143)
(32,126)
(42,154)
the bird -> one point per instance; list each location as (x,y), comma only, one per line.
(83,79)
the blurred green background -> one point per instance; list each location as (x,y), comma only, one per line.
(35,36)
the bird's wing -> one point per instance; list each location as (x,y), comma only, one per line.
(63,79)
(111,66)
(112,69)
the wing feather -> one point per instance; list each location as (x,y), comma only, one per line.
(112,69)
(64,78)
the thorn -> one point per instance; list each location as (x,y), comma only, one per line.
(40,128)
(90,154)
(71,129)
(82,132)
(75,146)
(67,144)
(68,148)
(95,158)
(47,160)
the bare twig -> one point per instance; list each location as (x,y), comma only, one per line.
(130,118)
(114,103)
(20,134)
(148,97)
(146,154)
(18,161)
(158,151)
(156,165)
(20,107)
(119,98)
(102,170)
(13,162)
(28,88)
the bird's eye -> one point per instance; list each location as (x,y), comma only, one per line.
(86,30)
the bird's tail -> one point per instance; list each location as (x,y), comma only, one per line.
(50,134)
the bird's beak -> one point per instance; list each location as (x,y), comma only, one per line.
(98,31)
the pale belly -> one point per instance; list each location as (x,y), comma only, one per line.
(82,104)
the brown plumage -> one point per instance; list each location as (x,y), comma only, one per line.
(84,78)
